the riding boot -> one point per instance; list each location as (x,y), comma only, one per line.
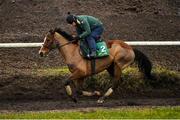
(92,46)
(93,54)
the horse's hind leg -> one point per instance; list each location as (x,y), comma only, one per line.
(119,65)
(116,78)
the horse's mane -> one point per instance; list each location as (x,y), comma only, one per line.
(64,34)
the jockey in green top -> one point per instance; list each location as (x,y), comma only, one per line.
(88,28)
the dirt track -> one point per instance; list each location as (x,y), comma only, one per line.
(46,105)
(142,20)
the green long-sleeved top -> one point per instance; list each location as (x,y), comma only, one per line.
(87,23)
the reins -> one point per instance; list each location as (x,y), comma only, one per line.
(60,46)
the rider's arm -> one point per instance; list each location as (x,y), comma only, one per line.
(86,29)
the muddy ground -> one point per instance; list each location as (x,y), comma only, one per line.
(84,106)
(141,20)
(29,20)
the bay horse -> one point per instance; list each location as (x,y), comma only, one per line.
(120,56)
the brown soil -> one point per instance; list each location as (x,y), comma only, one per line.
(87,105)
(29,20)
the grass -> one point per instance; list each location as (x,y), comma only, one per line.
(132,78)
(52,71)
(132,71)
(124,112)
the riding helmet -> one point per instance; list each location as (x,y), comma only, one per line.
(70,19)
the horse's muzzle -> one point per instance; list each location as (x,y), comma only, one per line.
(41,54)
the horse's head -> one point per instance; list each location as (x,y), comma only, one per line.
(49,43)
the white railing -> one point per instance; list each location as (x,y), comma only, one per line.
(154,43)
(10,45)
(135,43)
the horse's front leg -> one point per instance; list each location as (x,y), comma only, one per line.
(80,89)
(76,82)
(69,91)
(94,93)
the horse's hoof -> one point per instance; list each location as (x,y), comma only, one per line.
(97,93)
(100,101)
(74,99)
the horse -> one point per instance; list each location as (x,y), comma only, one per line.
(121,55)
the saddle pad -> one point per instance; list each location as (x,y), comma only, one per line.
(102,50)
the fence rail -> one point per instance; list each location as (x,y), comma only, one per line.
(135,43)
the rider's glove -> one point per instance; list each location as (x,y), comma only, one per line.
(76,38)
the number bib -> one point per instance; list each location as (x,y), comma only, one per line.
(102,49)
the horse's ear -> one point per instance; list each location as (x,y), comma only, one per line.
(57,29)
(51,31)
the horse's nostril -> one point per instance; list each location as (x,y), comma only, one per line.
(41,54)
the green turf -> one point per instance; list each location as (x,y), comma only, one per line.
(124,112)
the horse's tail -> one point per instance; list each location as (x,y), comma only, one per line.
(144,64)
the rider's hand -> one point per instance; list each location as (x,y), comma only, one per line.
(76,38)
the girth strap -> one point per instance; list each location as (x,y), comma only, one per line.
(93,66)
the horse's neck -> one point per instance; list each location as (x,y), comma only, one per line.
(66,50)
(60,38)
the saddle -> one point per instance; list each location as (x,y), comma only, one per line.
(101,49)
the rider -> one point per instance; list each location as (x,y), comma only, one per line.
(88,28)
